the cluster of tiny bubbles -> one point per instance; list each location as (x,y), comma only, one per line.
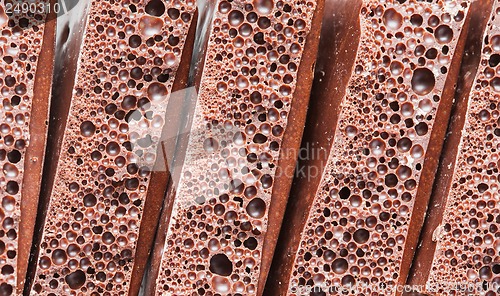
(130,54)
(357,226)
(20,46)
(219,218)
(468,246)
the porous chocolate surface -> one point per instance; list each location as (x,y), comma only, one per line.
(466,240)
(26,50)
(219,218)
(337,49)
(126,68)
(359,224)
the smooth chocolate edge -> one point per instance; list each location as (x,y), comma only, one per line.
(479,15)
(290,143)
(160,177)
(35,153)
(339,42)
(67,60)
(195,72)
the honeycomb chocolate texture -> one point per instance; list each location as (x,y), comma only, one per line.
(26,46)
(216,230)
(361,216)
(466,256)
(128,60)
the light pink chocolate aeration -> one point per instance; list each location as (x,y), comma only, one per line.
(21,43)
(468,238)
(219,219)
(128,61)
(358,224)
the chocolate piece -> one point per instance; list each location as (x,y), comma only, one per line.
(27,56)
(338,45)
(119,69)
(219,222)
(459,246)
(162,172)
(359,225)
(186,106)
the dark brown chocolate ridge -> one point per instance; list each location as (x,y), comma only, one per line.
(68,43)
(434,231)
(35,152)
(69,39)
(338,44)
(27,54)
(347,173)
(433,154)
(479,16)
(186,103)
(116,273)
(175,284)
(291,142)
(162,174)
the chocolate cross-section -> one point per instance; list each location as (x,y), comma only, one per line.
(120,63)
